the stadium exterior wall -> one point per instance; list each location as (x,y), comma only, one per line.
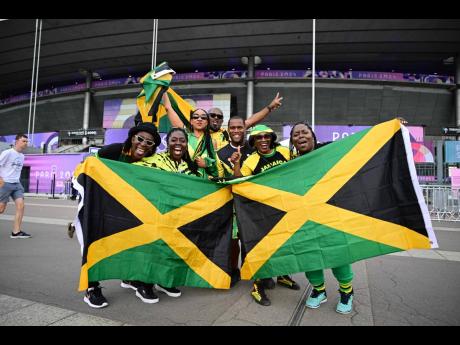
(337,102)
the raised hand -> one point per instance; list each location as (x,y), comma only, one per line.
(235,157)
(276,102)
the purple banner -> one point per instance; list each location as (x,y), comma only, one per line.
(328,133)
(422,151)
(43,167)
(281,74)
(377,75)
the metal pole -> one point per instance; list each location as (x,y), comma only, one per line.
(36,82)
(457,91)
(154,43)
(439,161)
(313,77)
(250,88)
(33,78)
(87,104)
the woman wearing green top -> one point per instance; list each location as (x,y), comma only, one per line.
(176,159)
(201,147)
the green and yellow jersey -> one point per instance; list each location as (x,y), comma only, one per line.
(164,162)
(257,162)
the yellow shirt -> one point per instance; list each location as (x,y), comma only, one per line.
(257,162)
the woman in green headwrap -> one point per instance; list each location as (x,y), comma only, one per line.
(200,145)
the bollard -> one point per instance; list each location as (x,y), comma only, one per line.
(53,186)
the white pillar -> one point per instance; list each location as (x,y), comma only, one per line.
(87,104)
(250,88)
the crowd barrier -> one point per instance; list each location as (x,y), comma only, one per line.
(443,202)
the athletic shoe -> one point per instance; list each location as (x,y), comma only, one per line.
(268,283)
(286,281)
(94,298)
(129,284)
(70,230)
(345,305)
(171,292)
(316,298)
(20,234)
(146,294)
(258,293)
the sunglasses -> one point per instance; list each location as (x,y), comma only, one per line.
(142,139)
(202,117)
(262,136)
(214,115)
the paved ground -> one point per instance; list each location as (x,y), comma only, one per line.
(39,276)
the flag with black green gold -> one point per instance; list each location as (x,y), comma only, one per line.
(154,85)
(350,200)
(138,223)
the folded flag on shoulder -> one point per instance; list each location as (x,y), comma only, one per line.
(154,84)
(350,200)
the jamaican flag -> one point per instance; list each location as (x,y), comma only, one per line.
(352,199)
(154,84)
(138,223)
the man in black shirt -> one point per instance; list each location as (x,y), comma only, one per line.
(237,132)
(227,156)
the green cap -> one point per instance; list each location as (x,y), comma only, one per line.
(260,129)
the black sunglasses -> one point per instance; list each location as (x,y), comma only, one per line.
(214,115)
(202,117)
(262,136)
(142,139)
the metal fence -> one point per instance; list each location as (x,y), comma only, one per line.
(443,202)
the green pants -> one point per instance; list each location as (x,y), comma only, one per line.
(343,274)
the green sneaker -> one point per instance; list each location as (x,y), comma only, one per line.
(345,305)
(316,298)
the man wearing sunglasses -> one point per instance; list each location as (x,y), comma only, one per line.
(221,136)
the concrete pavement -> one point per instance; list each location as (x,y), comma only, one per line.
(39,276)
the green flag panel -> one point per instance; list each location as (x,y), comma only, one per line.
(151,263)
(315,246)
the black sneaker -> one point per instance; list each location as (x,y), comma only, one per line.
(171,292)
(20,234)
(129,284)
(287,281)
(258,293)
(146,294)
(94,298)
(269,283)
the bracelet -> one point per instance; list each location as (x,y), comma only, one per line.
(269,109)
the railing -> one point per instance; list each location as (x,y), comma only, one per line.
(443,202)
